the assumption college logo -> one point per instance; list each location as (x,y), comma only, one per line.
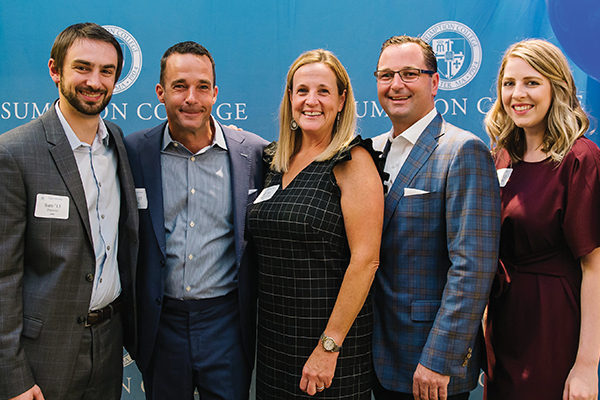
(458,53)
(132,57)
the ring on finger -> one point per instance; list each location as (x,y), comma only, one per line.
(320,388)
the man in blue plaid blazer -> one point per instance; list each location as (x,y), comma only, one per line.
(440,236)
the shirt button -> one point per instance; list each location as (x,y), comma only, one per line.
(108,248)
(190,256)
(192,158)
(89,277)
(187,289)
(192,224)
(102,216)
(193,191)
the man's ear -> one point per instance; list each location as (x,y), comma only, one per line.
(54,71)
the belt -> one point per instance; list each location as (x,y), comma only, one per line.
(96,317)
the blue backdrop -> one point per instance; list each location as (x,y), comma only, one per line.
(254,42)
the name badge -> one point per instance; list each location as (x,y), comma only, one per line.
(266,194)
(142,200)
(504,175)
(51,206)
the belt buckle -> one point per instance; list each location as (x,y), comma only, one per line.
(87,319)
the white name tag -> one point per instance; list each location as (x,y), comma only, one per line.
(503,175)
(142,200)
(266,194)
(51,206)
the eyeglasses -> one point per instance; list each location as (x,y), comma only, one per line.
(386,76)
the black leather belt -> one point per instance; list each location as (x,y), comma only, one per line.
(96,317)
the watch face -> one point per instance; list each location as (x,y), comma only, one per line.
(329,344)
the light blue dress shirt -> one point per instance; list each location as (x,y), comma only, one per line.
(198,213)
(97,166)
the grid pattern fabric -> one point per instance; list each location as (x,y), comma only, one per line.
(303,254)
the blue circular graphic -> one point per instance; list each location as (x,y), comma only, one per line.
(576,24)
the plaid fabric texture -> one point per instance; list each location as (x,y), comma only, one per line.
(302,256)
(439,255)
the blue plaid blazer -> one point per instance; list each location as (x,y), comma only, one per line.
(438,258)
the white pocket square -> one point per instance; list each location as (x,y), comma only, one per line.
(413,192)
(251,191)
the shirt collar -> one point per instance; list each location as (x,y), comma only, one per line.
(414,131)
(218,139)
(101,136)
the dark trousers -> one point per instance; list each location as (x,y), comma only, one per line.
(98,372)
(199,346)
(383,394)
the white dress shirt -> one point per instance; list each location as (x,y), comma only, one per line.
(401,146)
(97,166)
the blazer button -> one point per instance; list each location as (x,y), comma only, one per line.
(158,301)
(89,277)
(162,262)
(80,319)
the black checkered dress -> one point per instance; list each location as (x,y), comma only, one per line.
(303,254)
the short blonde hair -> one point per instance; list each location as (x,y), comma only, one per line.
(344,130)
(566,121)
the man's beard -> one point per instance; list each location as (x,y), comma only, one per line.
(84,107)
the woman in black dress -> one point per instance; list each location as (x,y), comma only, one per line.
(316,228)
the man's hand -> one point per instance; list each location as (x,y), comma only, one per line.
(35,393)
(429,385)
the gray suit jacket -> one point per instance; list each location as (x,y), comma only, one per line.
(44,261)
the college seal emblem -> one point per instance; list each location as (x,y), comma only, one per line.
(132,57)
(458,53)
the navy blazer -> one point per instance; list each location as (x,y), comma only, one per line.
(245,156)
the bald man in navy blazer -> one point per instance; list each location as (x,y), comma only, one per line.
(196,282)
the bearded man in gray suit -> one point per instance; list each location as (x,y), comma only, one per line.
(68,234)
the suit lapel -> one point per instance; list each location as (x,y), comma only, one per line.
(63,156)
(128,216)
(240,180)
(150,164)
(419,154)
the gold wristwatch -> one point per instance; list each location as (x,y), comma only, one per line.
(329,344)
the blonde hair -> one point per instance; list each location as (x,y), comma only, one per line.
(565,121)
(344,129)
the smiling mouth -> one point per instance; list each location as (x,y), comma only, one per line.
(398,98)
(522,107)
(312,113)
(92,95)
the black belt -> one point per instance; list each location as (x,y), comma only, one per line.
(96,317)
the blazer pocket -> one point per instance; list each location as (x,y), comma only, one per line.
(32,327)
(424,310)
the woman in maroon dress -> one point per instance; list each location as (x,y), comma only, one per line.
(543,321)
